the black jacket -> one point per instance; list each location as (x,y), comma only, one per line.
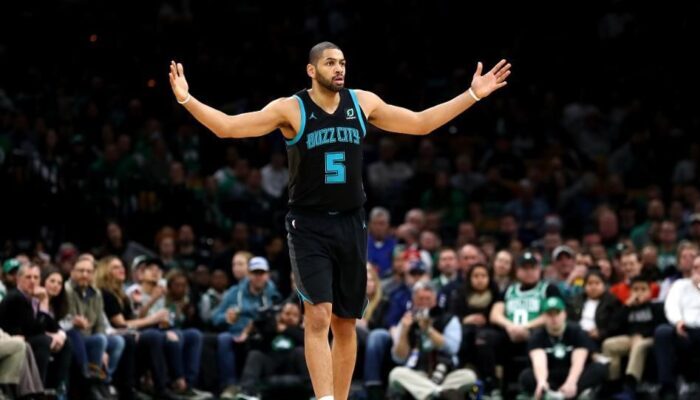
(642,319)
(608,315)
(17,317)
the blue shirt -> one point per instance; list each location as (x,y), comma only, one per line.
(381,254)
(248,304)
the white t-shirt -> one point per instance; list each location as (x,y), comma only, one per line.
(588,315)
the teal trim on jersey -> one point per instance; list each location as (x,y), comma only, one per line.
(364,309)
(304,298)
(302,125)
(358,111)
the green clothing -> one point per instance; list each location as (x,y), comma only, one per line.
(524,306)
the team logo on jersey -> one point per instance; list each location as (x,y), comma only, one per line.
(350,113)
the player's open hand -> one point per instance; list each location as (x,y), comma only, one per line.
(484,85)
(178,81)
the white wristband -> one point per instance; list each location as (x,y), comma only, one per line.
(188,98)
(474,96)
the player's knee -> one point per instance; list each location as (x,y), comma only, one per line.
(343,328)
(317,318)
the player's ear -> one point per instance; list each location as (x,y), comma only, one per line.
(310,70)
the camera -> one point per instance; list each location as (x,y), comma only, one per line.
(443,366)
(265,312)
(421,314)
(439,373)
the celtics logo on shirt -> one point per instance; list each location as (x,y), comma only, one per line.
(282,343)
(524,306)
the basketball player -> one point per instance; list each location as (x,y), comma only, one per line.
(324,128)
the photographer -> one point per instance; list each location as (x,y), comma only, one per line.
(236,313)
(426,344)
(278,340)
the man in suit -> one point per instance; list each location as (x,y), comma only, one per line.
(21,314)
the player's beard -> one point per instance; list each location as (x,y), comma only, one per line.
(329,84)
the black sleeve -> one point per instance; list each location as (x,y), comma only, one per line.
(553,291)
(538,340)
(111,305)
(17,316)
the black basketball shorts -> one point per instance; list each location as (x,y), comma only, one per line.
(328,253)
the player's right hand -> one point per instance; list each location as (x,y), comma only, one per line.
(178,82)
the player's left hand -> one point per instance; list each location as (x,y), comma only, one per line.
(484,85)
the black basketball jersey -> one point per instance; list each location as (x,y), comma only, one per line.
(325,156)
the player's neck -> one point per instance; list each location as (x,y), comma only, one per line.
(328,100)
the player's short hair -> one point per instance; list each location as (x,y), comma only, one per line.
(318,49)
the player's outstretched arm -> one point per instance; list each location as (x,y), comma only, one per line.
(250,124)
(401,120)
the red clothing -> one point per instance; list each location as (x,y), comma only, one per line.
(622,291)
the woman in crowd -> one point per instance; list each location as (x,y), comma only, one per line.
(472,303)
(503,270)
(148,343)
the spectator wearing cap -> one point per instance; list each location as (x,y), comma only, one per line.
(9,274)
(678,338)
(513,316)
(565,273)
(238,309)
(559,352)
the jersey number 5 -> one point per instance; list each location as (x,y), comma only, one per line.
(335,167)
